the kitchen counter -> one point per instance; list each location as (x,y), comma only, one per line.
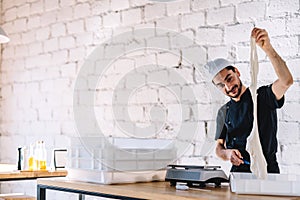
(151,190)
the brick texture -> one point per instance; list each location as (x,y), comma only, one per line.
(52,39)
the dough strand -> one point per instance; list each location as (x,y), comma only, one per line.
(258,164)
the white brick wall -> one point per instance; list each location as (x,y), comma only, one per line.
(132,16)
(280,8)
(275,27)
(42,33)
(33,22)
(49,45)
(154,11)
(58,29)
(51,39)
(81,10)
(204,4)
(20,24)
(51,5)
(286,46)
(112,19)
(119,5)
(36,7)
(220,16)
(48,18)
(209,36)
(23,10)
(245,11)
(66,42)
(11,14)
(75,27)
(238,33)
(178,7)
(218,51)
(293,25)
(168,23)
(65,13)
(192,20)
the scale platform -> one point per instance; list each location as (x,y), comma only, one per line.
(195,176)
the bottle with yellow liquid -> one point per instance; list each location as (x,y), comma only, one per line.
(37,155)
(31,162)
(42,161)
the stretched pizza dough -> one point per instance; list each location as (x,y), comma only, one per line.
(258,164)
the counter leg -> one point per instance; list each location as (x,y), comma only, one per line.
(41,193)
(81,197)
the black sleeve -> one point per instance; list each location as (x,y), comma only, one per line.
(266,95)
(221,128)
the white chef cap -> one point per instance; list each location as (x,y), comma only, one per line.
(215,66)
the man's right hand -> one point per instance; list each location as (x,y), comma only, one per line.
(234,156)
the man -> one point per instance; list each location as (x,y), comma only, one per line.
(235,118)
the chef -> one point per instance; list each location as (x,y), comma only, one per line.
(235,118)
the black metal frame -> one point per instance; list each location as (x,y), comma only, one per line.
(41,193)
(54,159)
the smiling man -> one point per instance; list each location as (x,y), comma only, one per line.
(235,118)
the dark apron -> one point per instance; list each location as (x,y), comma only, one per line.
(235,140)
(239,143)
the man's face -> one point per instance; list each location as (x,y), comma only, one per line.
(228,81)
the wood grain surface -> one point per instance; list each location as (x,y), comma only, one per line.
(157,190)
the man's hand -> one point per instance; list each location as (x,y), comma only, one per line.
(285,79)
(262,39)
(234,156)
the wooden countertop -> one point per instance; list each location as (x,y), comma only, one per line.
(23,175)
(156,190)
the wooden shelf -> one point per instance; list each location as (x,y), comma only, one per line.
(23,175)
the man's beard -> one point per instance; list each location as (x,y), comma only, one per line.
(239,88)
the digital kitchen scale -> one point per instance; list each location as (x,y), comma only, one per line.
(195,176)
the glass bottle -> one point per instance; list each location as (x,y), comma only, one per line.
(43,164)
(37,155)
(31,161)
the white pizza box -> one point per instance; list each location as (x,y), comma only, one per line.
(115,177)
(274,184)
